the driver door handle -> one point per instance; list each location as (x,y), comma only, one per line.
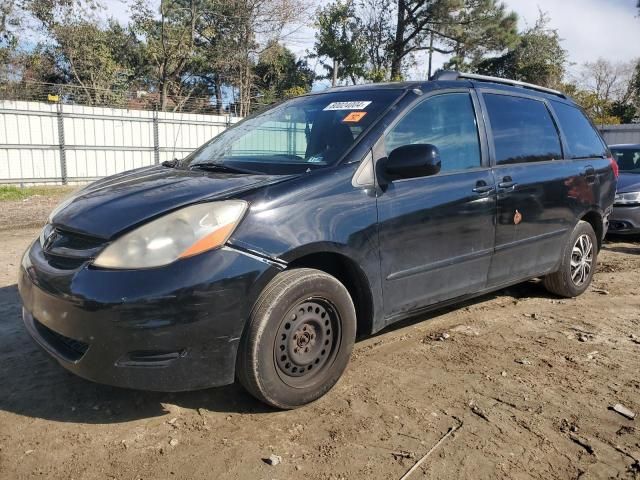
(482,187)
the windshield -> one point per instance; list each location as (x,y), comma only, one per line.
(628,159)
(313,131)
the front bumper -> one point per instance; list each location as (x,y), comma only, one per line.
(625,220)
(172,328)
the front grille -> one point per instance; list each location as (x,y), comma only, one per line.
(69,348)
(68,250)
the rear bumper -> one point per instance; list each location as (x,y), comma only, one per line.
(625,220)
(167,329)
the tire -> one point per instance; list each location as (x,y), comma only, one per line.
(581,249)
(299,339)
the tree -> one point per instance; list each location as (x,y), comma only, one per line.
(340,40)
(537,57)
(611,82)
(77,48)
(216,30)
(479,28)
(377,31)
(10,20)
(129,51)
(595,108)
(257,23)
(414,21)
(170,44)
(278,73)
(608,90)
(465,28)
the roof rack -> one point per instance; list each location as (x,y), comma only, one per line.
(452,75)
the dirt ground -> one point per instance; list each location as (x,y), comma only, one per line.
(526,379)
(31,211)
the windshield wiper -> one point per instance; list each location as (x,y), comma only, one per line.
(219,167)
(289,156)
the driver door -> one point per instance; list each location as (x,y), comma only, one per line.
(437,233)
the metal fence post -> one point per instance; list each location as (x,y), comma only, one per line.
(156,137)
(63,153)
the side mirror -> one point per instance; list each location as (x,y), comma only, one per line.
(411,161)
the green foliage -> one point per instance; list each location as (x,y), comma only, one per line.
(12,193)
(339,38)
(9,22)
(207,51)
(169,36)
(294,92)
(608,91)
(376,26)
(624,112)
(537,57)
(278,71)
(478,29)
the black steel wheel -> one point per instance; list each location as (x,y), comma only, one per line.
(298,340)
(306,341)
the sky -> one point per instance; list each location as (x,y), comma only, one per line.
(589,29)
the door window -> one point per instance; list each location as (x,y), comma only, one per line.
(523,130)
(582,139)
(447,121)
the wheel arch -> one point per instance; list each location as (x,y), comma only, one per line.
(594,218)
(350,274)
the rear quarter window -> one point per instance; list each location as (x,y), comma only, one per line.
(582,139)
(523,130)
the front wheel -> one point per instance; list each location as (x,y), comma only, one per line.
(579,260)
(299,338)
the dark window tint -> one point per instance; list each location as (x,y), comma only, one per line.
(628,159)
(582,139)
(523,130)
(447,121)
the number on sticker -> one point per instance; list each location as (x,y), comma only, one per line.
(360,105)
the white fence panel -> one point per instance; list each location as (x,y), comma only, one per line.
(94,141)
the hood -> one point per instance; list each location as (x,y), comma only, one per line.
(628,182)
(118,203)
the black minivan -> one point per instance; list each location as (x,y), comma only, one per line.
(262,254)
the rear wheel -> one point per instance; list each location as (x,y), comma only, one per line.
(299,339)
(578,263)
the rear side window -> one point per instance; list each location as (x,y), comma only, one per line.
(523,130)
(582,139)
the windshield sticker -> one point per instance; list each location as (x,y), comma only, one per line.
(347,105)
(354,117)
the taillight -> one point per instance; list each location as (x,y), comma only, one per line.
(614,167)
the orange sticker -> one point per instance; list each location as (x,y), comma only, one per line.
(354,117)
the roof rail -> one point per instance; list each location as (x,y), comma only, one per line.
(452,75)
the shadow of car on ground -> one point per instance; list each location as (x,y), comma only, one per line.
(36,386)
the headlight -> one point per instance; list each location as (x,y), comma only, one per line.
(627,198)
(180,234)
